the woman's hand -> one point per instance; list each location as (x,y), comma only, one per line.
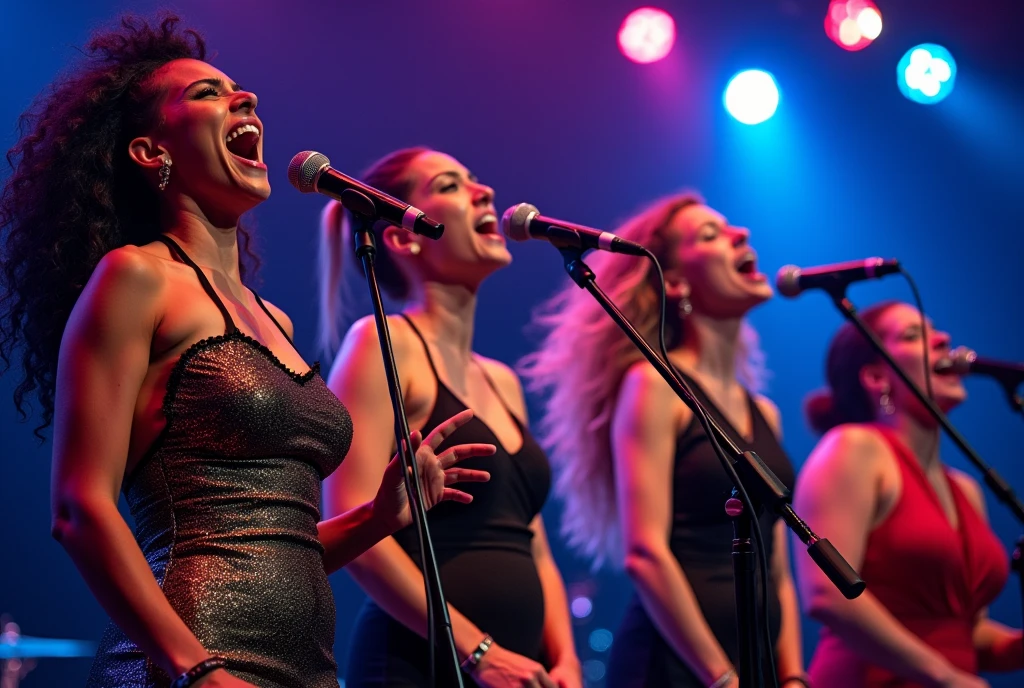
(567,674)
(436,473)
(219,678)
(500,668)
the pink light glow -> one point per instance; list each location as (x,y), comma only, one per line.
(853,24)
(647,35)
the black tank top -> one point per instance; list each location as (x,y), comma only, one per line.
(226,504)
(484,553)
(701,540)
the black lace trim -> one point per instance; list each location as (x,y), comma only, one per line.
(174,380)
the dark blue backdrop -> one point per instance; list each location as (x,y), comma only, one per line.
(535,97)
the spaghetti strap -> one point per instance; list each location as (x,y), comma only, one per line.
(207,287)
(426,349)
(494,388)
(271,316)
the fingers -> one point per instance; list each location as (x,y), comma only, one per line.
(465,475)
(450,494)
(545,681)
(445,429)
(452,455)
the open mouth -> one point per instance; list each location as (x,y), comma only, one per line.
(243,142)
(487,225)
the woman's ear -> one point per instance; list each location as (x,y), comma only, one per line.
(401,241)
(874,377)
(146,153)
(676,287)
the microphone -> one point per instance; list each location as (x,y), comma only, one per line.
(791,280)
(524,221)
(964,361)
(310,171)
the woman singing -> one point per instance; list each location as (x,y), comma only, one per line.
(506,595)
(915,529)
(169,380)
(642,486)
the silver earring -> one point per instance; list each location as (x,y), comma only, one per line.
(165,174)
(885,403)
(414,249)
(685,307)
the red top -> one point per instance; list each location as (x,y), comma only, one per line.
(933,578)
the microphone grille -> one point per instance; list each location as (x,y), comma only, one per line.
(304,170)
(515,223)
(787,281)
(960,360)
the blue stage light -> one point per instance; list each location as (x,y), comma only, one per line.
(926,74)
(752,96)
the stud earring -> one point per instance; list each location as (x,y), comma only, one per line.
(685,307)
(885,403)
(165,174)
(414,249)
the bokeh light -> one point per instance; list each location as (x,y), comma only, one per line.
(853,24)
(647,35)
(581,607)
(600,640)
(752,96)
(926,74)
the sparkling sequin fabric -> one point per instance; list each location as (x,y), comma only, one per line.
(226,507)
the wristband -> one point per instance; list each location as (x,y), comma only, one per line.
(471,662)
(724,679)
(198,671)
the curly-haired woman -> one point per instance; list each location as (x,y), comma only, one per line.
(166,378)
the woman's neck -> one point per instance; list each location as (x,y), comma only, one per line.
(709,347)
(448,311)
(922,440)
(211,247)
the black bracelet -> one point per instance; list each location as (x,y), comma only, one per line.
(198,671)
(802,680)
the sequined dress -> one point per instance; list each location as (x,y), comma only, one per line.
(226,505)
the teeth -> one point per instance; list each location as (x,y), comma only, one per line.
(486,218)
(245,128)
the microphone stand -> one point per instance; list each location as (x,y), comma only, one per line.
(439,623)
(1000,488)
(769,490)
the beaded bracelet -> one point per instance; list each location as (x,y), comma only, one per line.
(474,658)
(204,667)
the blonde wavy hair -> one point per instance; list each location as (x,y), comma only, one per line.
(579,368)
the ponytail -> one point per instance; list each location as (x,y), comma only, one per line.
(390,175)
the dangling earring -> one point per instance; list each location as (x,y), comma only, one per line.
(165,174)
(685,307)
(885,403)
(414,249)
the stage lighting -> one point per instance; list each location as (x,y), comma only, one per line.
(853,24)
(647,35)
(752,96)
(926,74)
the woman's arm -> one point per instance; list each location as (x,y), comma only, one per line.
(104,358)
(385,572)
(558,642)
(788,651)
(999,647)
(643,439)
(839,493)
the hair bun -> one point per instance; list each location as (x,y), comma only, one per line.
(820,411)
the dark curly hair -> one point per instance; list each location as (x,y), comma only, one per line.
(74,194)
